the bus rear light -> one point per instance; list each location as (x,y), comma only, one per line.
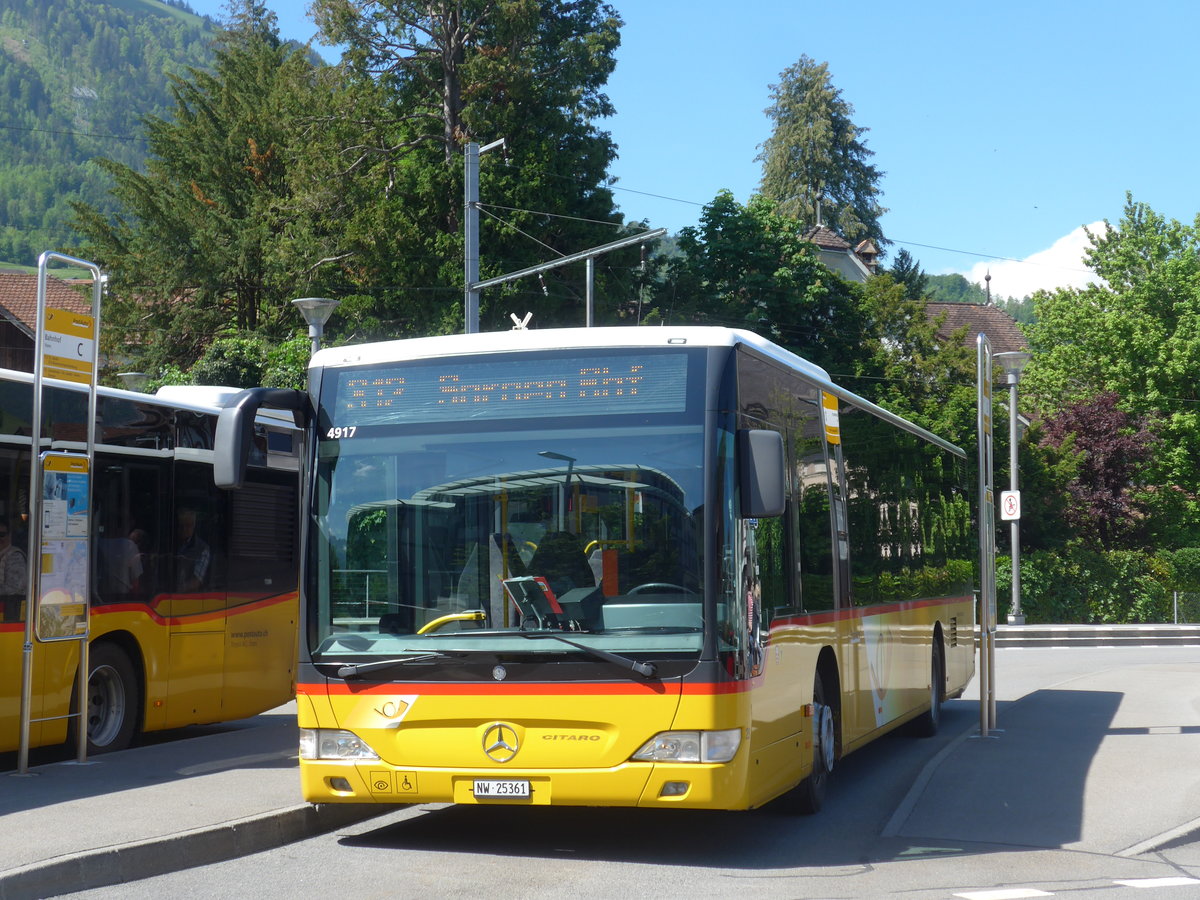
(691,746)
(324,743)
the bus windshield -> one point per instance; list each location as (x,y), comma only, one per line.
(470,526)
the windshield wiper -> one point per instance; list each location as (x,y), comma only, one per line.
(353,670)
(647,670)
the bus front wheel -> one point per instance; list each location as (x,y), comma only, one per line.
(111,706)
(809,795)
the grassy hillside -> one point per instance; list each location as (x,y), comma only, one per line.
(76,79)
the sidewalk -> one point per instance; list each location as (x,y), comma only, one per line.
(1107,763)
(130,815)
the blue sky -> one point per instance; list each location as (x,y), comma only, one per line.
(1001,128)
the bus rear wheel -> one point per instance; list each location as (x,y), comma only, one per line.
(928,723)
(113,698)
(809,795)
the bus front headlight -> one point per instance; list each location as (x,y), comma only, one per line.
(691,746)
(325,743)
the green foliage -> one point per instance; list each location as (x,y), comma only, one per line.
(205,239)
(906,369)
(815,158)
(747,267)
(1138,336)
(907,272)
(1046,470)
(78,77)
(426,78)
(287,363)
(1076,585)
(1184,567)
(233,361)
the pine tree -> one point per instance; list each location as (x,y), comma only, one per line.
(816,166)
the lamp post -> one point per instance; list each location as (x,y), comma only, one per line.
(1013,361)
(316,312)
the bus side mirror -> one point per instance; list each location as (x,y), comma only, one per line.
(761,466)
(235,429)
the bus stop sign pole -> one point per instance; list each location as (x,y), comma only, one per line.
(987,540)
(57,592)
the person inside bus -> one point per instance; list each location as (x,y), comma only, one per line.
(14,573)
(192,556)
(122,566)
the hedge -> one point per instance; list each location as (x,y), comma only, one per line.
(1077,586)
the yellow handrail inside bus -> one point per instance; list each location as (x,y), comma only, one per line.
(475,615)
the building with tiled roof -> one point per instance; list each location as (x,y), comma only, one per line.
(852,263)
(18,313)
(1001,329)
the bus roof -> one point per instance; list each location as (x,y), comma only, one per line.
(517,340)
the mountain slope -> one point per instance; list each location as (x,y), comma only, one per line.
(76,79)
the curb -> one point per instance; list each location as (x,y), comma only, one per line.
(200,846)
(1098,636)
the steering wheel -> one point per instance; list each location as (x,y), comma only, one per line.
(659,587)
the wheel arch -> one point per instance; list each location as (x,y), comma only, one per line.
(128,644)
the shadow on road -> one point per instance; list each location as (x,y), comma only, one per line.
(970,800)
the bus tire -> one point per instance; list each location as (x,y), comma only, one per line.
(809,795)
(113,699)
(928,723)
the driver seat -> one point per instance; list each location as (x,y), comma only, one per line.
(559,559)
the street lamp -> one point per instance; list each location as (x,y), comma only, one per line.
(316,312)
(1013,361)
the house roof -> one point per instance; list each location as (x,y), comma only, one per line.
(826,238)
(18,298)
(1001,329)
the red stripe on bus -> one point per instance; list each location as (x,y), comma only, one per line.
(865,612)
(160,619)
(543,689)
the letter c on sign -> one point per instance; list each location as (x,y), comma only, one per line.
(80,350)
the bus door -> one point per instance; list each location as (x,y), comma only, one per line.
(14,545)
(197,597)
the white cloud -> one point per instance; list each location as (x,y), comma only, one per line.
(1059,266)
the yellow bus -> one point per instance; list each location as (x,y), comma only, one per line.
(193,590)
(652,567)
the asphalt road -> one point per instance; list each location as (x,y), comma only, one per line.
(1091,790)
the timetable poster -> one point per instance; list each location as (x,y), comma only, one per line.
(63,573)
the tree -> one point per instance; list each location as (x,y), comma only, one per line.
(1111,447)
(748,267)
(450,71)
(202,242)
(907,272)
(1137,336)
(816,167)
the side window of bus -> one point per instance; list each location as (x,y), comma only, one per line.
(128,526)
(14,539)
(198,548)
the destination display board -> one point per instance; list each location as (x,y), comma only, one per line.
(512,386)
